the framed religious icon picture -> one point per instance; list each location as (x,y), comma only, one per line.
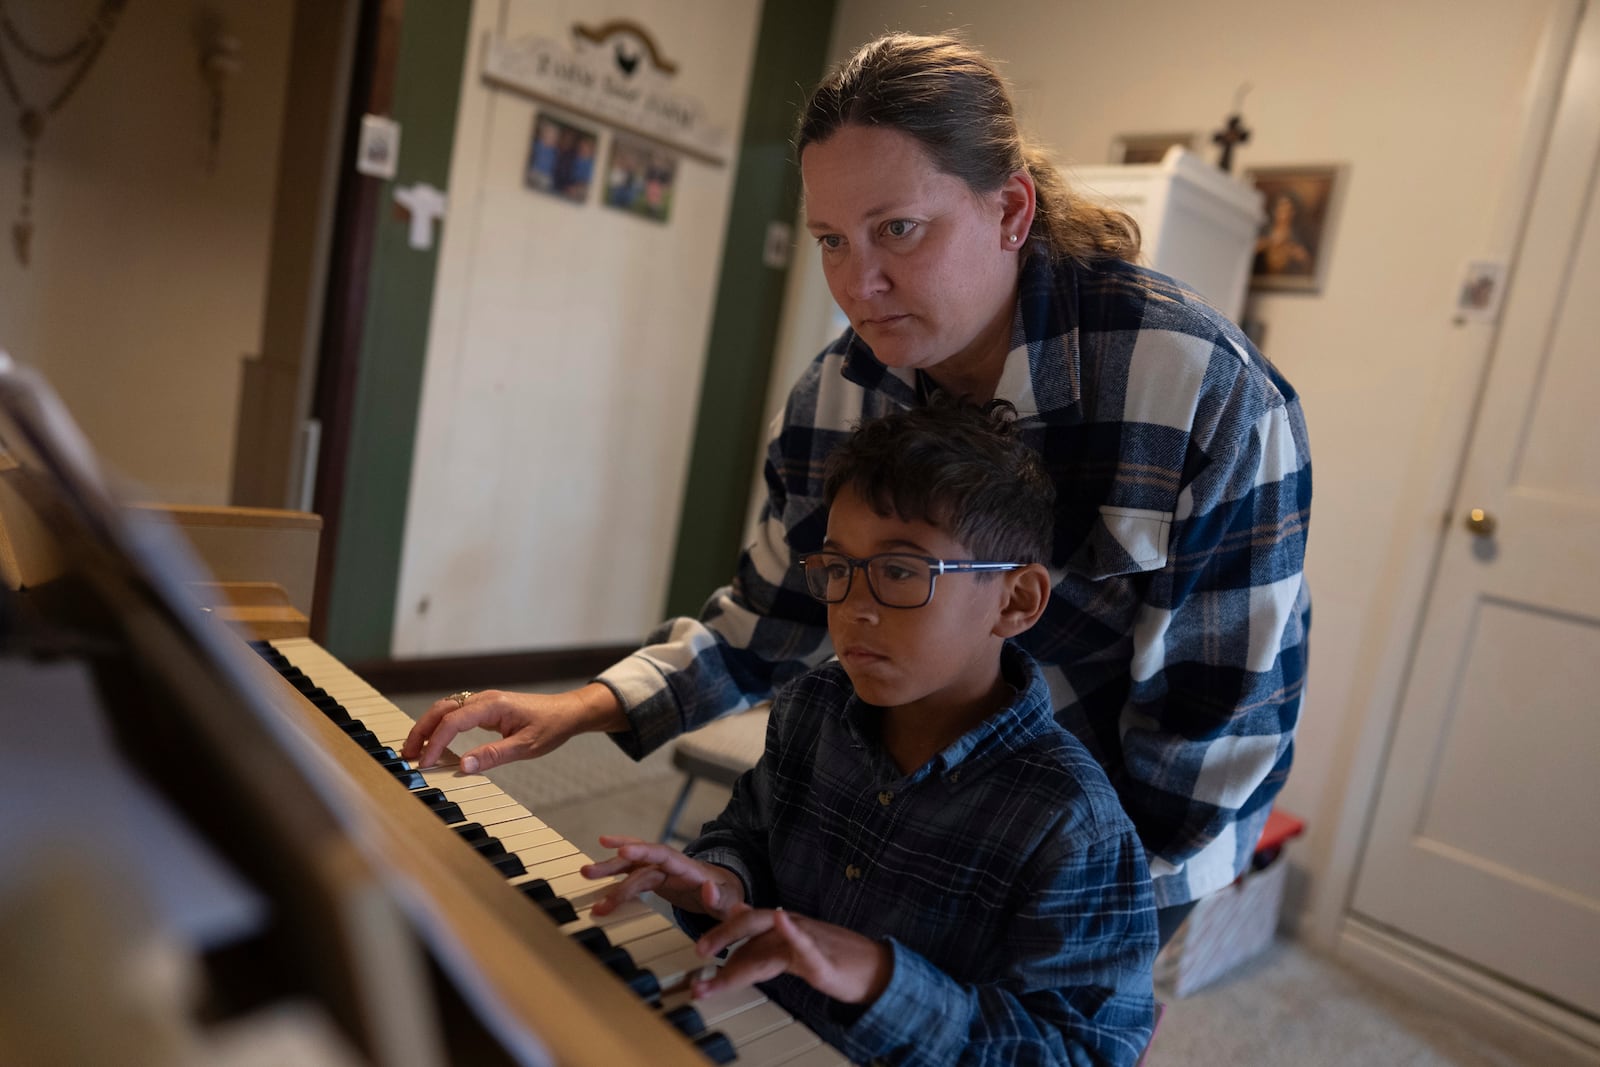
(1293,246)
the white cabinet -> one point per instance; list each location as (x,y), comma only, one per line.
(1199,224)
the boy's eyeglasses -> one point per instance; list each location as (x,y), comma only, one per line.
(896,580)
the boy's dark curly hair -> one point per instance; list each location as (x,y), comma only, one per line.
(958,466)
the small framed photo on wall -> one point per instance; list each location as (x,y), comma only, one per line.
(640,177)
(1131,148)
(1292,247)
(561,158)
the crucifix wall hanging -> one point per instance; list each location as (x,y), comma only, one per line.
(65,63)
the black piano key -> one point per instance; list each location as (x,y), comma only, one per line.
(367,740)
(488,846)
(450,813)
(644,985)
(559,909)
(716,1047)
(331,709)
(686,1018)
(617,960)
(471,831)
(592,938)
(537,889)
(412,780)
(509,865)
(442,806)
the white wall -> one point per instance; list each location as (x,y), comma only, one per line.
(147,279)
(1424,102)
(564,362)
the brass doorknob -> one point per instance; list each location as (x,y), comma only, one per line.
(1480,522)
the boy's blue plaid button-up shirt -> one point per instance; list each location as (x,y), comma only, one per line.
(1003,873)
(1174,645)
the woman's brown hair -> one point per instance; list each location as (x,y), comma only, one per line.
(950,97)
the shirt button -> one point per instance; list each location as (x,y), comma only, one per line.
(884,798)
(852,872)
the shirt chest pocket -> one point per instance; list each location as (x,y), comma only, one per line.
(1123,541)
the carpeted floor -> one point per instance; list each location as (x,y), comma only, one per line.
(1289,1007)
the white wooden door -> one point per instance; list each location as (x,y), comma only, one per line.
(1483,843)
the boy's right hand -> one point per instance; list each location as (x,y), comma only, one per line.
(661,869)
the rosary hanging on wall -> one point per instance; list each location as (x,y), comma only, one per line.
(75,59)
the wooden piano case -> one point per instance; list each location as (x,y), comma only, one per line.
(374,919)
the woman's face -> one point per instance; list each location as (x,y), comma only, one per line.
(923,267)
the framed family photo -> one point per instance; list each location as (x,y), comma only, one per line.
(641,177)
(1292,247)
(561,158)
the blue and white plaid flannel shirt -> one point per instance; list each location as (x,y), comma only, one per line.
(1174,644)
(1003,874)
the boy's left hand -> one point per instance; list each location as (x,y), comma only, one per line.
(841,963)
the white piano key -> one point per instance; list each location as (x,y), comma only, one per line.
(479,792)
(672,969)
(584,896)
(745,1026)
(485,801)
(723,1005)
(777,1047)
(632,929)
(517,826)
(443,775)
(390,730)
(515,840)
(531,857)
(658,944)
(561,872)
(626,912)
(820,1055)
(504,816)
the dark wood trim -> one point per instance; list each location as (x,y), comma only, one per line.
(441,673)
(355,228)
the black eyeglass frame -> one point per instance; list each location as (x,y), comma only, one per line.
(936,567)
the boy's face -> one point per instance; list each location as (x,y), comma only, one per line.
(942,656)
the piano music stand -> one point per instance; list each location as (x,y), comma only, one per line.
(185,712)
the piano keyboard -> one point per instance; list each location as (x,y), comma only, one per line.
(637,944)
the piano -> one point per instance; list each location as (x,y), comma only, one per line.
(274,882)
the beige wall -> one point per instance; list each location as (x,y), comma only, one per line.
(147,278)
(1424,102)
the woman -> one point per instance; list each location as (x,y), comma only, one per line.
(1174,642)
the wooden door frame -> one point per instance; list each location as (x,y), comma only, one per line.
(276,386)
(372,91)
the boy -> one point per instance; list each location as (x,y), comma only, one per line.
(929,869)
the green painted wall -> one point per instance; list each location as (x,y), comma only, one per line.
(433,46)
(791,54)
